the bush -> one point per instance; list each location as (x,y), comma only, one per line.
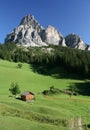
(19,65)
(52,91)
(14,88)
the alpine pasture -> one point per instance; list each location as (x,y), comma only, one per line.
(56,112)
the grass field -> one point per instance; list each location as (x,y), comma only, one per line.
(56,112)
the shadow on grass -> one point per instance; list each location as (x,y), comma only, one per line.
(88,125)
(13,96)
(81,88)
(19,98)
(58,72)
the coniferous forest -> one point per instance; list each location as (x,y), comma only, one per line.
(73,60)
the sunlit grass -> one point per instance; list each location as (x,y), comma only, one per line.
(57,107)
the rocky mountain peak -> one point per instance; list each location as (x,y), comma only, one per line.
(52,36)
(27,19)
(74,41)
(27,33)
(31,33)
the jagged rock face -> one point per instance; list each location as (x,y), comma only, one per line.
(52,36)
(88,47)
(74,41)
(27,33)
(31,33)
(29,20)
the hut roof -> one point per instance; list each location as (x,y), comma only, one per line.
(26,93)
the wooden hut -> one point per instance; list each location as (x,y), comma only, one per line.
(26,96)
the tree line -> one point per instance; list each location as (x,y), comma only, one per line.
(74,60)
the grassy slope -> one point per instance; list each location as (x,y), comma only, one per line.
(13,112)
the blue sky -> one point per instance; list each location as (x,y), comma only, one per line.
(68,16)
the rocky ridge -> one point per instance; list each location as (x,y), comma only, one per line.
(31,33)
(74,41)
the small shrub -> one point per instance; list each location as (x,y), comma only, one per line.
(52,91)
(14,88)
(46,92)
(19,65)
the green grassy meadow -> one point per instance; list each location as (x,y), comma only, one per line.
(46,112)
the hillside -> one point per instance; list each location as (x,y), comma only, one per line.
(49,57)
(57,112)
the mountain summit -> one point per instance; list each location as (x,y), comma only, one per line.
(31,33)
(74,41)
